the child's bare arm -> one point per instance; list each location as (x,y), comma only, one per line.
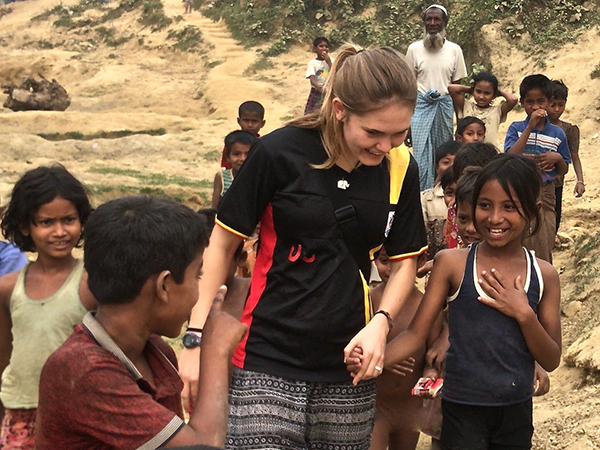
(573,140)
(436,352)
(542,332)
(457,93)
(208,422)
(405,344)
(509,104)
(217,188)
(7,284)
(313,82)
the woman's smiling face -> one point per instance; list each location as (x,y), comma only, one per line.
(371,136)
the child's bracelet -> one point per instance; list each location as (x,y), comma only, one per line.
(388,317)
(579,181)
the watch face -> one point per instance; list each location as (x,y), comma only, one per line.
(191,340)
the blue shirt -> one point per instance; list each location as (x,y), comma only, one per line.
(11,258)
(549,139)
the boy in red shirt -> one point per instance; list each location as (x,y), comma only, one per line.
(114,382)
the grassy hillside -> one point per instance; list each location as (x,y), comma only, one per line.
(532,25)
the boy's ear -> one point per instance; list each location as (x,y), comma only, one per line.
(163,280)
(263,123)
(239,122)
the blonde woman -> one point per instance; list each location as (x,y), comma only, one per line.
(308,305)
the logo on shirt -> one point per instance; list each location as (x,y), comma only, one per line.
(390,221)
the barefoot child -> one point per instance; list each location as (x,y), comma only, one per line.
(503,314)
(251,118)
(317,72)
(470,129)
(114,382)
(555,110)
(40,304)
(237,146)
(483,90)
(546,144)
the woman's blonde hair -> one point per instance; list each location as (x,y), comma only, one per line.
(364,80)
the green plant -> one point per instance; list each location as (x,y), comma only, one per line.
(189,39)
(212,155)
(153,15)
(263,63)
(596,72)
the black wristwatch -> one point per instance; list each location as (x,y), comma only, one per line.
(191,339)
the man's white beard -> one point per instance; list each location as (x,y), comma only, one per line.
(434,41)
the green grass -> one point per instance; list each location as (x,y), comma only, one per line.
(155,179)
(76,135)
(263,63)
(586,260)
(118,190)
(596,72)
(212,155)
(189,39)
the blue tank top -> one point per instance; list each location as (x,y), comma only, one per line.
(488,362)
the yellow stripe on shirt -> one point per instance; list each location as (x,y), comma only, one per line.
(399,159)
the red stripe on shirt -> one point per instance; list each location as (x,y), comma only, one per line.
(264,261)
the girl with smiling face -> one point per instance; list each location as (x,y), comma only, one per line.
(483,90)
(40,304)
(503,314)
(308,305)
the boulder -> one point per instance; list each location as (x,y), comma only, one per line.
(32,95)
(585,352)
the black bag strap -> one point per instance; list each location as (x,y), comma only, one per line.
(348,222)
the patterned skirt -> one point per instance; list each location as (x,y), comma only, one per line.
(18,429)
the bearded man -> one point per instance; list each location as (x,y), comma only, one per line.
(437,62)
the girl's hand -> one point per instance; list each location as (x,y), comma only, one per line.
(404,368)
(541,381)
(425,269)
(371,342)
(508,298)
(579,189)
(436,354)
(354,361)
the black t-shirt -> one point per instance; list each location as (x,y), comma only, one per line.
(307,298)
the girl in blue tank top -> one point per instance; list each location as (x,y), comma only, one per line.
(503,314)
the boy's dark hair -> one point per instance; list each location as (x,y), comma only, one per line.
(36,188)
(520,174)
(447,178)
(560,91)
(465,122)
(238,137)
(538,81)
(132,238)
(252,107)
(447,148)
(320,39)
(466,184)
(486,76)
(476,154)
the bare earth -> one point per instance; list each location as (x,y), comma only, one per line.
(194,98)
